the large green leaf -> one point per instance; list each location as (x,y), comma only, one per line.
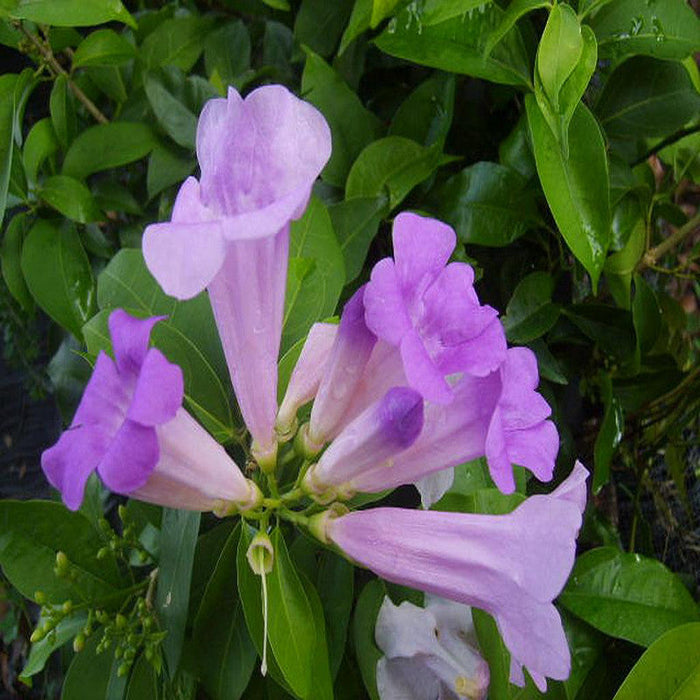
(227,51)
(647,97)
(33,532)
(352,126)
(577,185)
(62,108)
(320,23)
(188,337)
(363,624)
(68,13)
(530,312)
(178,538)
(225,653)
(514,12)
(108,146)
(10,260)
(627,595)
(609,436)
(487,204)
(7,118)
(71,198)
(41,143)
(92,675)
(457,45)
(607,326)
(391,166)
(58,274)
(103,48)
(669,668)
(312,295)
(176,119)
(176,42)
(666,29)
(355,222)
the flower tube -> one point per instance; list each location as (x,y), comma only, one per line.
(229,232)
(131,428)
(429,310)
(385,429)
(512,566)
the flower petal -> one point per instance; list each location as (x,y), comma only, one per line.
(159,390)
(130,459)
(421,372)
(130,338)
(385,307)
(184,258)
(535,449)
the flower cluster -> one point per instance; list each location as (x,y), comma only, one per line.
(415,379)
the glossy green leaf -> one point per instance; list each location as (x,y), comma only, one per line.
(355,222)
(172,115)
(92,675)
(684,156)
(646,315)
(609,436)
(227,51)
(111,196)
(33,532)
(667,29)
(359,21)
(352,126)
(188,337)
(58,274)
(530,312)
(71,198)
(549,367)
(381,9)
(425,115)
(70,13)
(457,45)
(363,624)
(178,537)
(8,83)
(494,652)
(559,51)
(514,12)
(515,150)
(103,47)
(176,42)
(576,186)
(313,295)
(487,204)
(436,11)
(111,81)
(225,653)
(620,266)
(391,166)
(10,260)
(209,547)
(319,24)
(292,626)
(62,107)
(108,146)
(607,326)
(41,144)
(143,681)
(165,168)
(39,654)
(627,595)
(669,668)
(647,97)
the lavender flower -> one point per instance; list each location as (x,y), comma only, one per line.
(512,566)
(384,430)
(430,311)
(429,652)
(130,426)
(229,233)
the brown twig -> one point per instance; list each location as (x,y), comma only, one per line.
(652,256)
(58,69)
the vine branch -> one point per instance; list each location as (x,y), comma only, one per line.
(653,255)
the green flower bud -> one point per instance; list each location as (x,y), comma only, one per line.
(123,669)
(67,607)
(40,597)
(62,564)
(120,621)
(79,643)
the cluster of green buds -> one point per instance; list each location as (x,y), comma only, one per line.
(125,545)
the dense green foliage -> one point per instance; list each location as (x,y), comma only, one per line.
(561,141)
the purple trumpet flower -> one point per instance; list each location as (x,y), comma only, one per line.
(348,358)
(430,311)
(502,408)
(229,232)
(382,431)
(513,566)
(306,377)
(130,426)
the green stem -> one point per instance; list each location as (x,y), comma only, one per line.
(654,254)
(293,517)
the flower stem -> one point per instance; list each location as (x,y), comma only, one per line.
(654,254)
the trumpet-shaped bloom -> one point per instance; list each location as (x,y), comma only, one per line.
(229,232)
(348,358)
(430,311)
(307,374)
(501,409)
(512,566)
(130,426)
(429,652)
(385,429)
